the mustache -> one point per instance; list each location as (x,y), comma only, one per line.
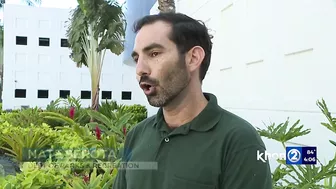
(148,80)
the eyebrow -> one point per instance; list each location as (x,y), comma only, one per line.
(148,48)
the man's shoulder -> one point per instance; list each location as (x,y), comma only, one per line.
(230,120)
(238,131)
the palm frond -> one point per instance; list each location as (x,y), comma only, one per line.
(75,34)
(32,2)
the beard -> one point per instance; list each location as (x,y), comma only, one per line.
(175,80)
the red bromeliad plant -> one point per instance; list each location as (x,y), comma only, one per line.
(98,133)
(72,112)
(95,179)
(124,130)
(117,124)
(86,178)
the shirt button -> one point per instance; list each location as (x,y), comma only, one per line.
(166,139)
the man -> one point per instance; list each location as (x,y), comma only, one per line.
(195,143)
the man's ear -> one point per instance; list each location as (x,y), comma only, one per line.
(194,58)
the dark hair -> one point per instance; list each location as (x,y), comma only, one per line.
(186,33)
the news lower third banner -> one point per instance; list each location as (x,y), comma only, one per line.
(66,154)
(81,158)
(104,165)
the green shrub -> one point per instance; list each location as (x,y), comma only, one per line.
(139,112)
(67,102)
(116,123)
(68,139)
(53,128)
(23,118)
(35,177)
(13,139)
(16,139)
(94,180)
(107,106)
(111,136)
(81,117)
(62,106)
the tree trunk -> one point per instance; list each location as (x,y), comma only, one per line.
(166,6)
(95,97)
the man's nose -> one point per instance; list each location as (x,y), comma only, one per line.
(142,68)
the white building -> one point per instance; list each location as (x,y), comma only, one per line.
(37,67)
(272,60)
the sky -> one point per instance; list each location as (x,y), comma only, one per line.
(50,3)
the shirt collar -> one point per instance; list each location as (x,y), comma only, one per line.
(205,121)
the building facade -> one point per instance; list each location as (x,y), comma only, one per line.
(37,67)
(272,60)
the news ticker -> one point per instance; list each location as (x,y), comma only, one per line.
(294,155)
(297,155)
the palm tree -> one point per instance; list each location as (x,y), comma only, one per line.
(95,26)
(167,6)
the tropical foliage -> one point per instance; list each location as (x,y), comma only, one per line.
(95,26)
(60,148)
(302,176)
(67,129)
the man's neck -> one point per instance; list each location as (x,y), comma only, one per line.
(184,108)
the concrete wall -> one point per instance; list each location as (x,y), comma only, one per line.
(272,60)
(33,67)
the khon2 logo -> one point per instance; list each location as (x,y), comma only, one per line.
(301,155)
(294,155)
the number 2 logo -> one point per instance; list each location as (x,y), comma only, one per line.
(294,155)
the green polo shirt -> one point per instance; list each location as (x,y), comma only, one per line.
(216,150)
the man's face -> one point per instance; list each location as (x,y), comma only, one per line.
(161,70)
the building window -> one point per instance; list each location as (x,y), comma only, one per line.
(64,93)
(126,95)
(85,94)
(64,43)
(24,107)
(20,93)
(45,42)
(42,94)
(106,94)
(20,40)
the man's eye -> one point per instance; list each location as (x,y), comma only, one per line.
(135,59)
(154,54)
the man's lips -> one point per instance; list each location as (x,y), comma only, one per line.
(148,89)
(145,86)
